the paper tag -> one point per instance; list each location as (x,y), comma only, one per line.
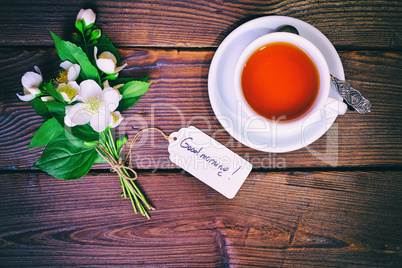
(208,160)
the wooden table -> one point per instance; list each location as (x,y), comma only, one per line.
(335,203)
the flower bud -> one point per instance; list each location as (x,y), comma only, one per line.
(75,38)
(86,17)
(96,34)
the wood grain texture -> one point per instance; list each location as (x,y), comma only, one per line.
(356,24)
(335,203)
(286,219)
(178,97)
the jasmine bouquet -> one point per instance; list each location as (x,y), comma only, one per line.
(83,105)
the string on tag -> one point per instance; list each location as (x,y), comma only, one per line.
(135,139)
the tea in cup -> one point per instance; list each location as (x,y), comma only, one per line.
(282,77)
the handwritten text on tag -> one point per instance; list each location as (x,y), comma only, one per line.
(208,160)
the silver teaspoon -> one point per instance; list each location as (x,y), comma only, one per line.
(352,96)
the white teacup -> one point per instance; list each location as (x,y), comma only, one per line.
(315,55)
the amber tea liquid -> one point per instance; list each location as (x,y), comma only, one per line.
(280,81)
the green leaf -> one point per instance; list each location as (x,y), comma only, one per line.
(40,107)
(99,160)
(124,104)
(120,142)
(53,92)
(111,76)
(71,52)
(66,157)
(124,80)
(134,89)
(131,93)
(50,130)
(57,109)
(85,133)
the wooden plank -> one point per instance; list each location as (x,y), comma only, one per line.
(361,24)
(178,97)
(288,219)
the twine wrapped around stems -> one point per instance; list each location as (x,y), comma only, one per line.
(119,166)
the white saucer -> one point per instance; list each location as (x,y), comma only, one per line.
(225,104)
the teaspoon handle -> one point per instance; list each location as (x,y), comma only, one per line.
(352,96)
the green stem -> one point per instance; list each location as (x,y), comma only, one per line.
(85,41)
(102,142)
(129,187)
(139,192)
(123,187)
(132,188)
(132,201)
(106,142)
(135,199)
(112,144)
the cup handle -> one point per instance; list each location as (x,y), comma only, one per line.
(337,106)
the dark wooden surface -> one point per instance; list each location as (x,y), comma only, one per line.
(336,203)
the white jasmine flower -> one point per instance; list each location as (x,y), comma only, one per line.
(70,73)
(72,70)
(117,118)
(30,82)
(88,16)
(106,62)
(96,107)
(70,91)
